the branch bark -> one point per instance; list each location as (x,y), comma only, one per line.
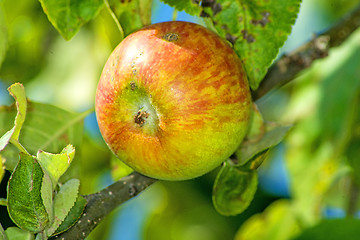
(283,71)
(100,204)
(289,66)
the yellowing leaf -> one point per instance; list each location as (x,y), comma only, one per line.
(56,164)
(277,222)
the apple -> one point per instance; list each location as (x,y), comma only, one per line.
(173,101)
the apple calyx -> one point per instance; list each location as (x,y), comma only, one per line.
(143,114)
(140,117)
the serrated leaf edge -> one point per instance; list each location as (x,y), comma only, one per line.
(57,221)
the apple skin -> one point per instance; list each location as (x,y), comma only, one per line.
(173,101)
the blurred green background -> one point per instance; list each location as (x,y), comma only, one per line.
(307,177)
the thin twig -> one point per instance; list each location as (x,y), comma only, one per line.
(121,30)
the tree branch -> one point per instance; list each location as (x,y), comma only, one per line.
(283,71)
(288,66)
(100,204)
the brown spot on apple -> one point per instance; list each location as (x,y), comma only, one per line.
(132,86)
(140,117)
(171,37)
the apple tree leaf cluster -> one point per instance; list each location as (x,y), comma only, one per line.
(256,29)
(47,128)
(36,202)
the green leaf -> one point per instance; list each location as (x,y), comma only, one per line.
(333,229)
(118,168)
(353,149)
(257,126)
(3,36)
(47,195)
(46,128)
(63,202)
(5,139)
(56,164)
(14,233)
(337,105)
(2,168)
(67,16)
(234,189)
(257,29)
(2,233)
(185,5)
(249,149)
(18,92)
(24,195)
(73,216)
(278,221)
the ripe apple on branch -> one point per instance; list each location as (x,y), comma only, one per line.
(173,101)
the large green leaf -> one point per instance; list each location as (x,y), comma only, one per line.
(234,189)
(257,29)
(24,195)
(67,16)
(337,105)
(46,128)
(333,229)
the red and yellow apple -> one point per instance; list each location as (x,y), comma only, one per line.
(173,101)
